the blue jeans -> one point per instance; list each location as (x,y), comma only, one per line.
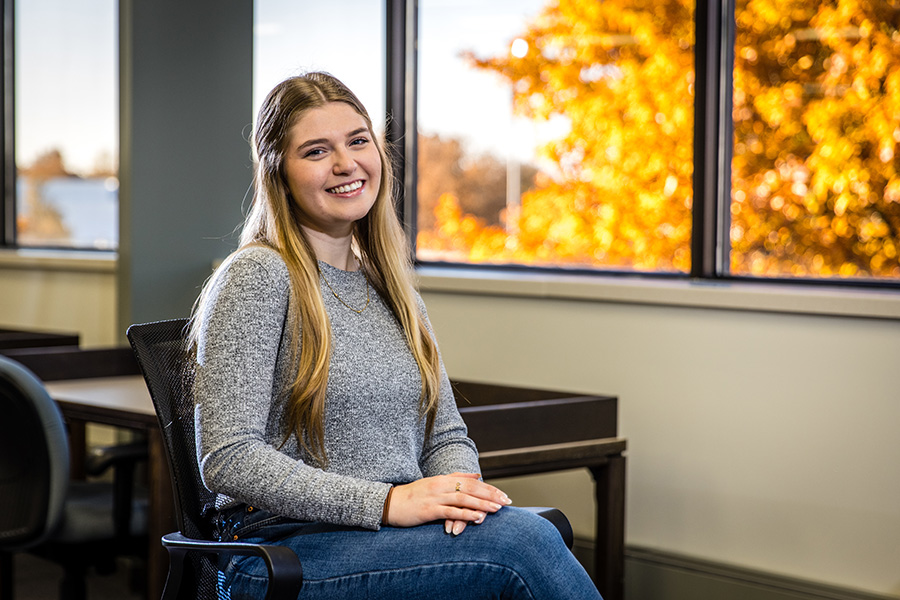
(513,554)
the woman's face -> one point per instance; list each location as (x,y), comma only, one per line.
(333,168)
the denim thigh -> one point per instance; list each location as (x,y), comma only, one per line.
(513,554)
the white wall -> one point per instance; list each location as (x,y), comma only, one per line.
(763,440)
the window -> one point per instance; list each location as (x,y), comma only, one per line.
(563,134)
(815,187)
(556,134)
(291,38)
(61,150)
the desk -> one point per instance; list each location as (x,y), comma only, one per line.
(604,459)
(19,338)
(125,402)
(525,431)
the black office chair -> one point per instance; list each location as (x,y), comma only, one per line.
(162,352)
(77,524)
(163,355)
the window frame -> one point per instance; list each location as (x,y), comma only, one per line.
(8,171)
(7,121)
(713,147)
(714,57)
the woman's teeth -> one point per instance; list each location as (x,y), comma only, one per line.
(346,188)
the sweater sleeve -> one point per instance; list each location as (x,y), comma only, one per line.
(238,349)
(448,449)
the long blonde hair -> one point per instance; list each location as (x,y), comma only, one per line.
(379,238)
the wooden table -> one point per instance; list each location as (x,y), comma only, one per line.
(23,338)
(522,432)
(526,431)
(125,402)
(604,459)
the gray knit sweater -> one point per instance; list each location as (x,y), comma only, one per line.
(373,433)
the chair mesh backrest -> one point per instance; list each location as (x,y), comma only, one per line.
(34,458)
(163,353)
(167,362)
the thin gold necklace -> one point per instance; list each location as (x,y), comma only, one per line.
(341,300)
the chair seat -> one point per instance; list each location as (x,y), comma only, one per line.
(87,514)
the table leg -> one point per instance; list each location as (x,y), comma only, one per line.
(162,515)
(77,448)
(609,565)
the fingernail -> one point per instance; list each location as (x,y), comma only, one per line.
(506,500)
(447,527)
(480,520)
(457,529)
(495,506)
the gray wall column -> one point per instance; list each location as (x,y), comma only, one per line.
(185,113)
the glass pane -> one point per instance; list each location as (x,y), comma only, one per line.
(815,184)
(556,133)
(66,123)
(291,38)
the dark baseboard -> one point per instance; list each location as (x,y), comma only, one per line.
(656,575)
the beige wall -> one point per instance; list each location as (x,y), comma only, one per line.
(43,292)
(758,439)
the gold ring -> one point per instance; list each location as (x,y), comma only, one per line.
(457,485)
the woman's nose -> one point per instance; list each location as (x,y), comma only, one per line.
(343,163)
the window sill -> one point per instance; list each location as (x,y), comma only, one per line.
(759,297)
(59,260)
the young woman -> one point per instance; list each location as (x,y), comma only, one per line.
(325,419)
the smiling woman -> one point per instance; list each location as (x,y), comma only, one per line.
(326,421)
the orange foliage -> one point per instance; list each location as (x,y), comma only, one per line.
(621,195)
(817,121)
(815,189)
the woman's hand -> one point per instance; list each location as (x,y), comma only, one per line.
(457,499)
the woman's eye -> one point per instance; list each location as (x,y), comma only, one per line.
(314,152)
(359,142)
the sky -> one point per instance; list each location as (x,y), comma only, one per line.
(66,80)
(454,100)
(67,76)
(292,37)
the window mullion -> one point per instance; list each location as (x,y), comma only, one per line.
(712,138)
(8,165)
(400,102)
(726,138)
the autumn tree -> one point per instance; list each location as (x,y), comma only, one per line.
(621,195)
(814,191)
(41,221)
(815,188)
(478,183)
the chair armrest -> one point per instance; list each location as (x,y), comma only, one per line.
(559,519)
(101,458)
(283,565)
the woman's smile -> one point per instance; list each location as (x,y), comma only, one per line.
(347,189)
